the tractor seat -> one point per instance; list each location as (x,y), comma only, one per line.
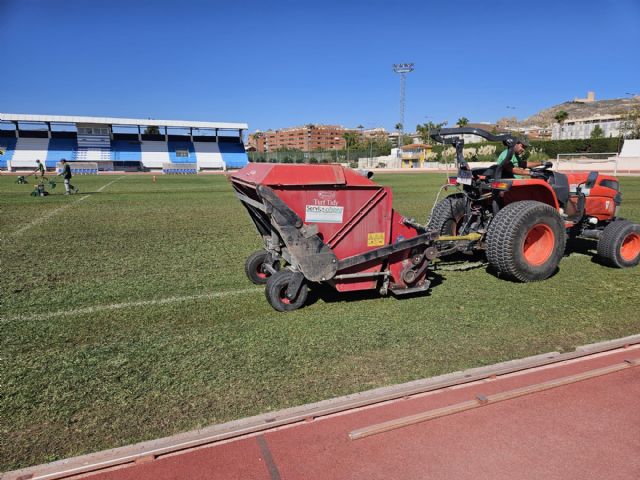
(490,172)
(560,184)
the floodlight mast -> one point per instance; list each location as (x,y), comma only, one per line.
(402,69)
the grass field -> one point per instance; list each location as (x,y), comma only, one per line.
(126,315)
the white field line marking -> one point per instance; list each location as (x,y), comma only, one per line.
(118,306)
(50,214)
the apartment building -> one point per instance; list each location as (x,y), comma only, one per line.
(306,138)
(576,128)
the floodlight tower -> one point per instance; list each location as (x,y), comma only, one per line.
(402,69)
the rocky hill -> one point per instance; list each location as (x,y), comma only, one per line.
(618,106)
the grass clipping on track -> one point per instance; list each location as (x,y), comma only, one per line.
(103,377)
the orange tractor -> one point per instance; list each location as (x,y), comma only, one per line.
(523,223)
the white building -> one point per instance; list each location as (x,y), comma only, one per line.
(577,128)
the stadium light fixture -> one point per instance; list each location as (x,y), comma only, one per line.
(403,67)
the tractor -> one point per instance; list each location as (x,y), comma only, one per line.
(523,224)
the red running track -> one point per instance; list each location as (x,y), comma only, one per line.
(585,430)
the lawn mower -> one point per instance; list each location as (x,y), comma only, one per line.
(329,224)
(40,189)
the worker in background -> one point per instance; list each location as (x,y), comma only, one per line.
(40,170)
(66,174)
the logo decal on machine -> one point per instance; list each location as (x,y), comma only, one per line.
(327,195)
(323,214)
(375,239)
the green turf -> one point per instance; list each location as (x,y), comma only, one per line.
(85,380)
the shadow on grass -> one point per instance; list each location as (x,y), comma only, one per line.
(584,246)
(328,294)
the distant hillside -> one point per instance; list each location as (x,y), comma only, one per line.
(618,106)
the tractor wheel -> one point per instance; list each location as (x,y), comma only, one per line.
(447,217)
(276,292)
(526,241)
(619,245)
(253,267)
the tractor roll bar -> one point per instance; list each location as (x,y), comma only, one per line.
(442,136)
(506,138)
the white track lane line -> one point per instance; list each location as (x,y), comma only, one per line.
(50,214)
(118,306)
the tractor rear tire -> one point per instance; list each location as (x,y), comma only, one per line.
(619,244)
(276,292)
(253,267)
(526,241)
(447,215)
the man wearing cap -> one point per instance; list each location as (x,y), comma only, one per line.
(516,166)
(66,174)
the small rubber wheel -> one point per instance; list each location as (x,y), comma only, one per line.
(276,292)
(619,244)
(253,267)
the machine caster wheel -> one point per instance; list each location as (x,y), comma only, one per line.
(253,267)
(278,286)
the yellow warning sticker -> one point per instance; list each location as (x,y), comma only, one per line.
(375,239)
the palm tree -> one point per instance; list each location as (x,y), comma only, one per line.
(462,121)
(425,130)
(560,117)
(350,139)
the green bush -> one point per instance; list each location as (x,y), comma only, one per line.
(587,145)
(549,148)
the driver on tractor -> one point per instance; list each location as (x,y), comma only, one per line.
(513,165)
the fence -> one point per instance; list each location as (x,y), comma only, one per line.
(324,156)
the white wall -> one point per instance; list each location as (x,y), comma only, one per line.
(28,150)
(154,154)
(630,148)
(208,155)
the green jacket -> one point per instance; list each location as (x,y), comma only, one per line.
(515,161)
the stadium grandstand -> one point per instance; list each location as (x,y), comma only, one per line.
(93,144)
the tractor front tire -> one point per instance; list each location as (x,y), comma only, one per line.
(253,267)
(619,244)
(276,292)
(526,241)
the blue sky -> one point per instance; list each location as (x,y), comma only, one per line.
(279,64)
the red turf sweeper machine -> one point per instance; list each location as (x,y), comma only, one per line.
(330,224)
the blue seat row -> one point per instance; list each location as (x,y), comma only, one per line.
(180,171)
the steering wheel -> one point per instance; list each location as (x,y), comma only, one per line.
(541,168)
(541,171)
